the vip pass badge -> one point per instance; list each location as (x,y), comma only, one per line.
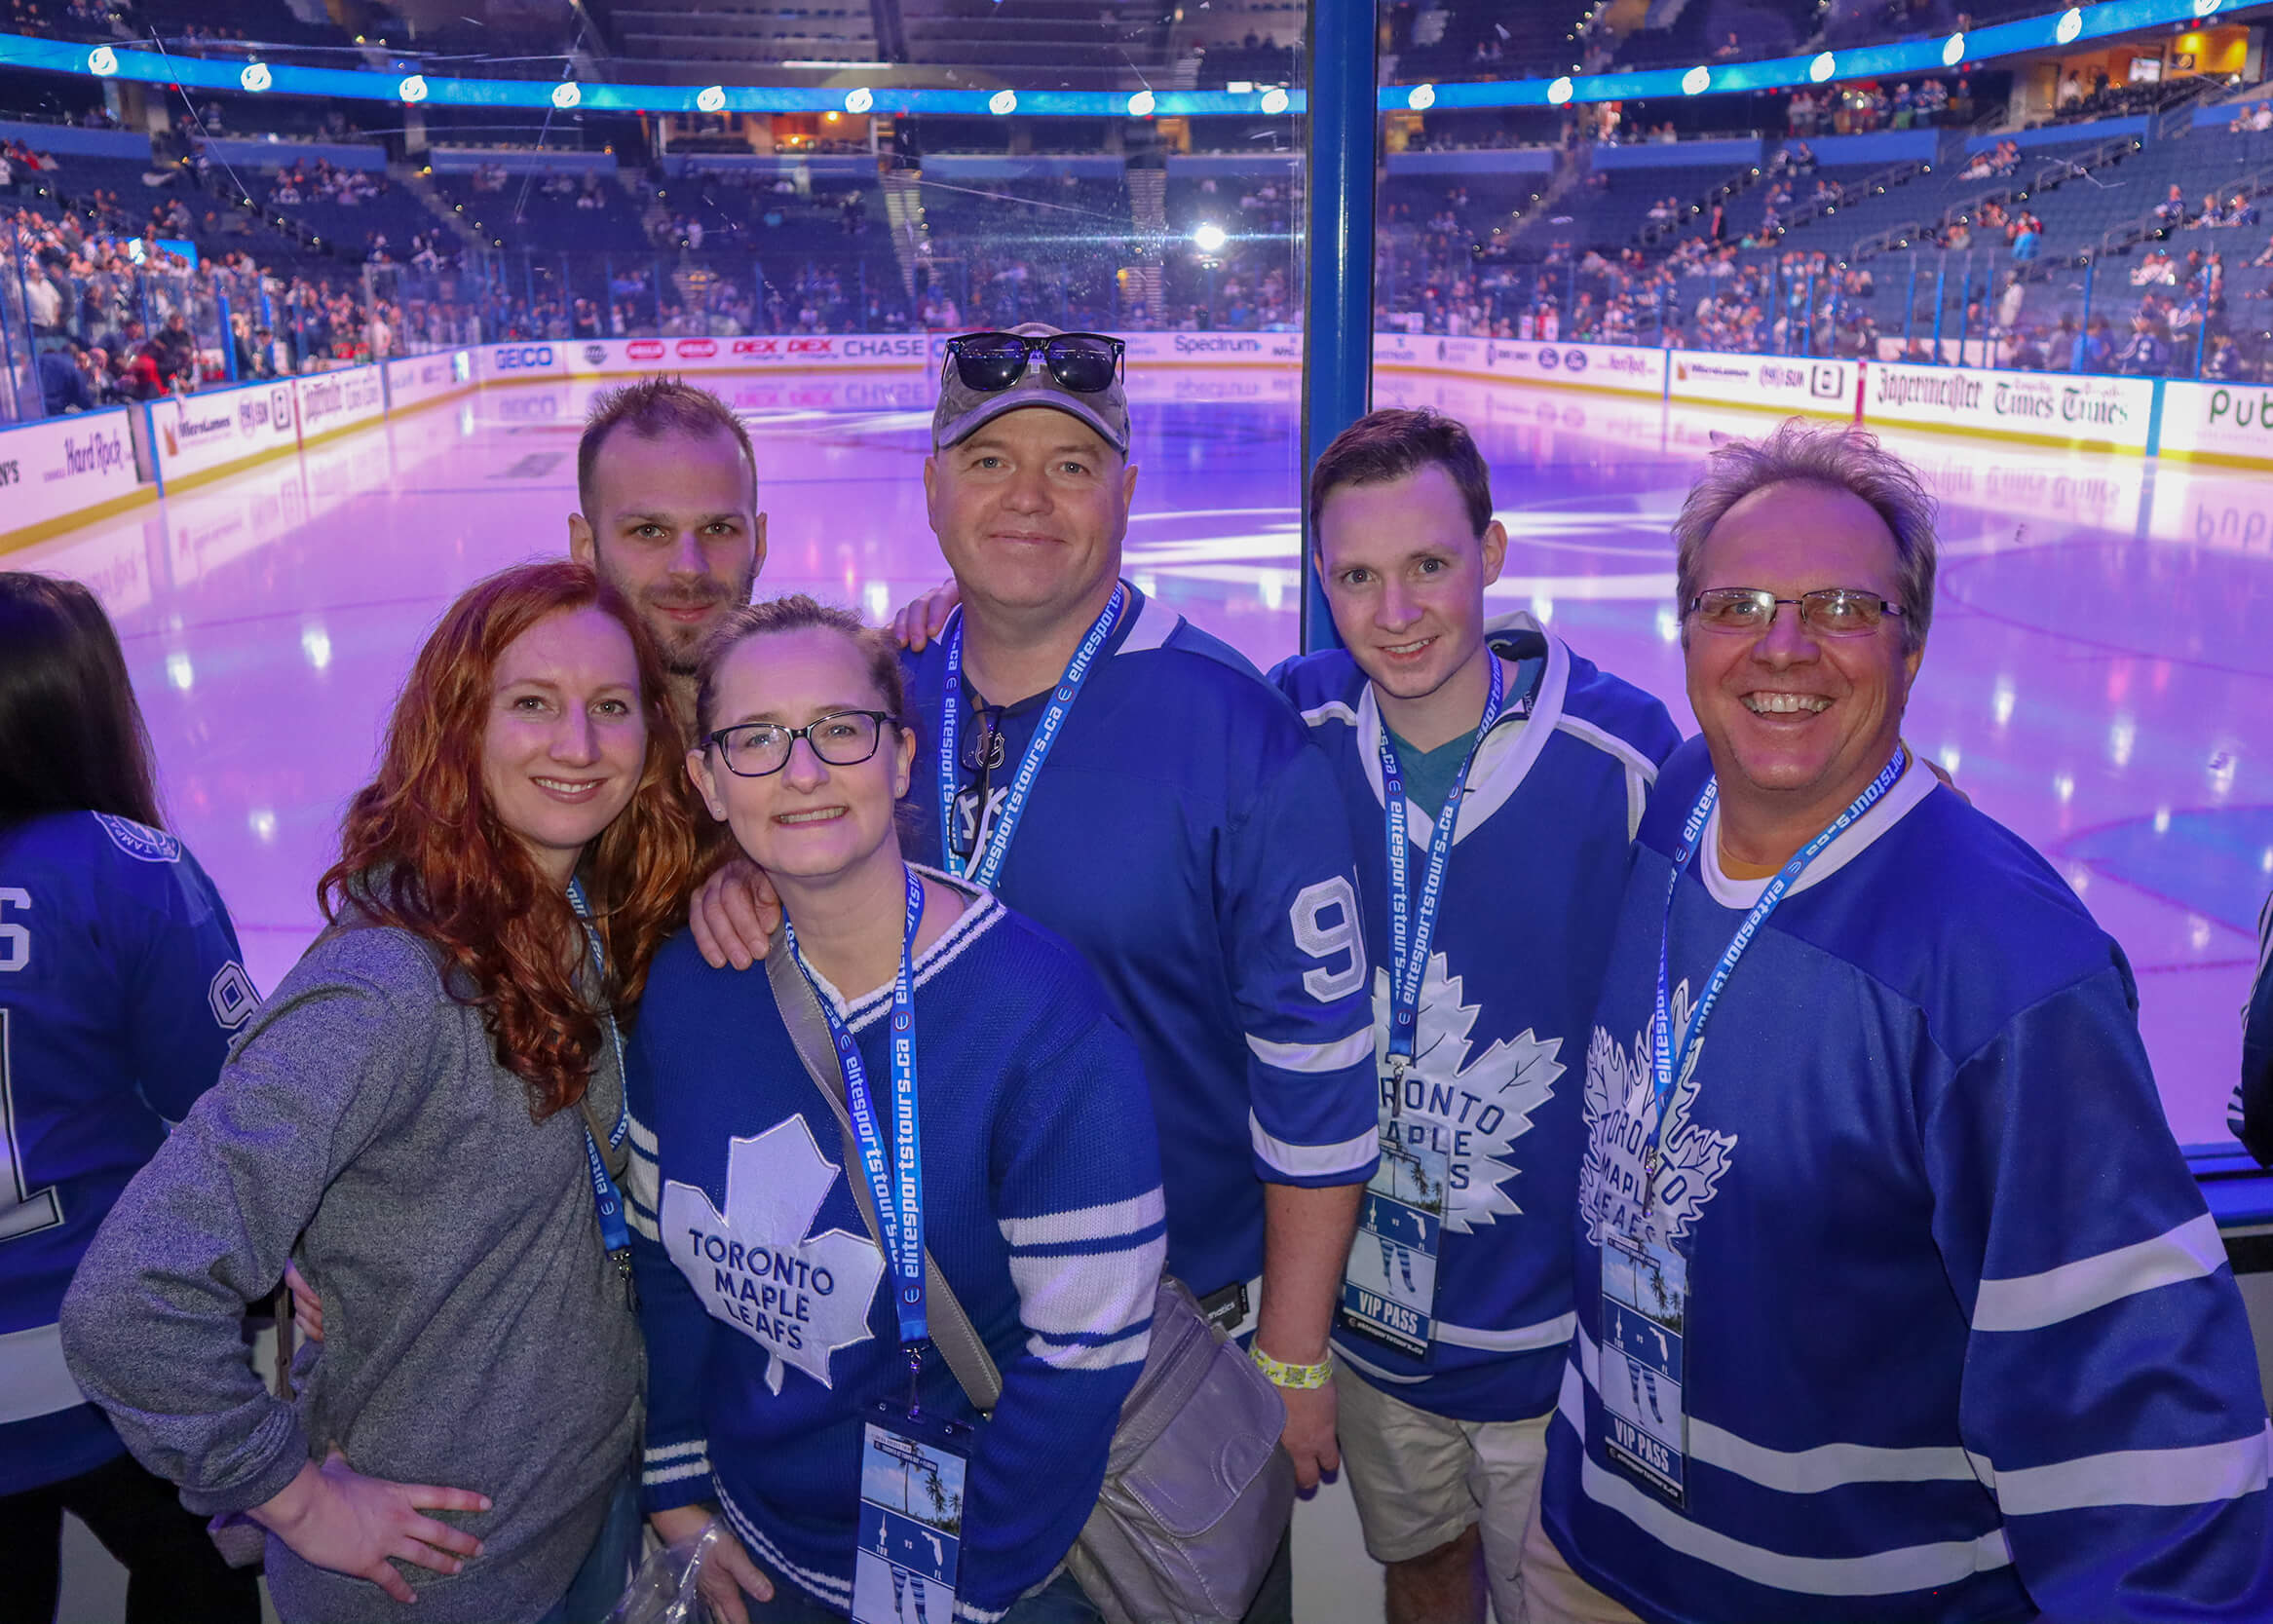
(912,1465)
(985,866)
(1645,1277)
(1388,1289)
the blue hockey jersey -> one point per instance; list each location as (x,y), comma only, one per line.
(120,987)
(1538,863)
(1961,1341)
(759,1286)
(1186,838)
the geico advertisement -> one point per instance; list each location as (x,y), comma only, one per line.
(414,380)
(1779,383)
(500,362)
(2046,405)
(194,433)
(331,401)
(50,470)
(2219,420)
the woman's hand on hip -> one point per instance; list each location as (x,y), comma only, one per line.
(335,1517)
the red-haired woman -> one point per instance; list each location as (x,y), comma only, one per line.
(427,1114)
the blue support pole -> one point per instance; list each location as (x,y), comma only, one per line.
(1941,270)
(2083,326)
(1339,253)
(1965,308)
(1807,316)
(228,336)
(1909,304)
(2201,337)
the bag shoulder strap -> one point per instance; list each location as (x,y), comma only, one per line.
(957,1341)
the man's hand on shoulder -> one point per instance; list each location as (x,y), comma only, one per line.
(733,915)
(920,620)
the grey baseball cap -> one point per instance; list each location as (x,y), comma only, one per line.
(962,409)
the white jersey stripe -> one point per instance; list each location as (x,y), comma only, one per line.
(1523,1338)
(1102,1223)
(2202,1475)
(2031,1301)
(1314,1161)
(1810,1471)
(1906,1567)
(672,1452)
(1314,1057)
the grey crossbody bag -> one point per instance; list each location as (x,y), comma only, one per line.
(1196,1492)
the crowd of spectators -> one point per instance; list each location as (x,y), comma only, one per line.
(1865,106)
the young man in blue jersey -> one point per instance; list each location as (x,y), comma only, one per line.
(1510,775)
(1135,786)
(1896,1301)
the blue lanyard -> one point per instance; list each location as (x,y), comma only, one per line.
(1412,926)
(614,1235)
(985,867)
(1665,1056)
(899,1201)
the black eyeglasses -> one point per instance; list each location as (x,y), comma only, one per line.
(1832,611)
(990,363)
(759,749)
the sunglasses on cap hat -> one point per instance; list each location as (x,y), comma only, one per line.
(989,362)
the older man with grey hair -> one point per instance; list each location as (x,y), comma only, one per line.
(1896,1298)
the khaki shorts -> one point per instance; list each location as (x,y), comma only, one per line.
(1421,1481)
(1554,1593)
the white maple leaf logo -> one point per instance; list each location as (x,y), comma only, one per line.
(1476,1110)
(799,1299)
(1619,1103)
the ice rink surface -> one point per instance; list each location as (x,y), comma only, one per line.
(2100,675)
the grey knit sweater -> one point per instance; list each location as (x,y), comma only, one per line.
(475,1332)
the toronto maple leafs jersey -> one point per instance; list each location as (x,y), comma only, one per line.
(1961,1340)
(119,988)
(1530,893)
(767,1332)
(1186,839)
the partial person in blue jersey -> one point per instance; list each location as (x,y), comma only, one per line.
(428,1112)
(119,987)
(1511,773)
(2252,1116)
(1896,1300)
(975,1045)
(1134,785)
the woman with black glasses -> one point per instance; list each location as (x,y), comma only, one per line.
(993,1117)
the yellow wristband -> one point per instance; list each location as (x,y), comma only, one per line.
(1301,1377)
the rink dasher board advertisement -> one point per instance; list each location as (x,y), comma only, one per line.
(2046,408)
(421,380)
(1618,368)
(65,472)
(332,402)
(2219,423)
(198,436)
(1782,384)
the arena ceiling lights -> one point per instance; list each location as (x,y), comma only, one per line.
(2051,31)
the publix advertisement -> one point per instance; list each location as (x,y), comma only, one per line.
(1616,367)
(2218,423)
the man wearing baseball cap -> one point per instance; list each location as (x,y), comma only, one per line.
(1134,785)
